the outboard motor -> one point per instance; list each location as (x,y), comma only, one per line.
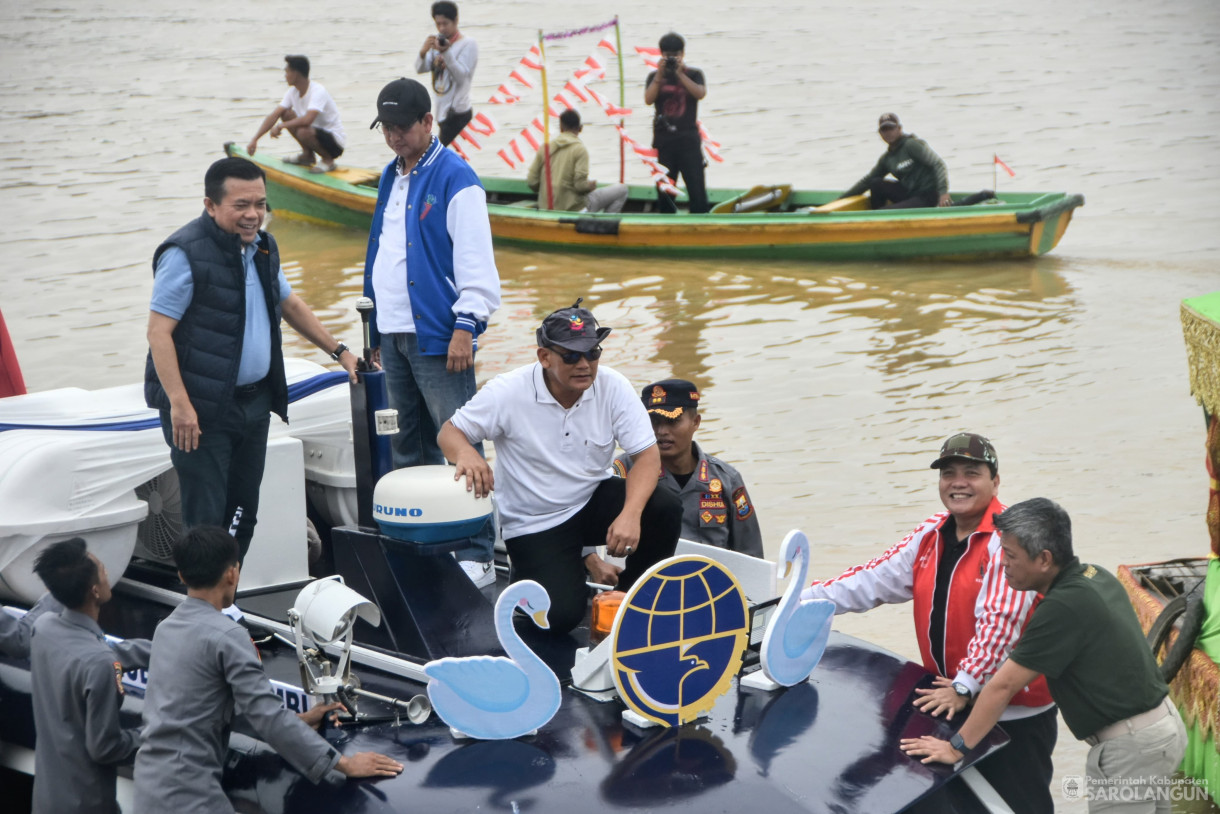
(410,522)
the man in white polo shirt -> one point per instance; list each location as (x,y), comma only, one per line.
(555,425)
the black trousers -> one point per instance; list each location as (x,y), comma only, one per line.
(1021,772)
(454,124)
(896,196)
(552,557)
(226,472)
(684,157)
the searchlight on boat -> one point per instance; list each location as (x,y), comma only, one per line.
(325,613)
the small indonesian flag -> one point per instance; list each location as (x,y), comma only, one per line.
(1003,166)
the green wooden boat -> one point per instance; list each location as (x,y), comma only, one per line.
(761,222)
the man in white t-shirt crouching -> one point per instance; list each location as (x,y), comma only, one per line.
(555,425)
(310,116)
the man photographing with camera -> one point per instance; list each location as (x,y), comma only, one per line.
(675,89)
(451,57)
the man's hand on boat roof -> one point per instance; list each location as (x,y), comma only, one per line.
(456,447)
(930,750)
(368,764)
(945,200)
(461,351)
(941,698)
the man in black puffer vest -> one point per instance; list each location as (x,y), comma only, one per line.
(215,369)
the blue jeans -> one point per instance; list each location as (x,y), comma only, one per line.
(426,395)
(226,471)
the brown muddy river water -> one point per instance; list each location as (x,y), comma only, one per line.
(830,385)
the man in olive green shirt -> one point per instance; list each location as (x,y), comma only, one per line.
(923,180)
(570,187)
(1085,638)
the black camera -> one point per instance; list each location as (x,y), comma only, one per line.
(671,64)
(441,41)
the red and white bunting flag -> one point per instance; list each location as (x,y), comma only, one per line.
(1003,166)
(531,138)
(501,152)
(651,51)
(534,65)
(503,96)
(614,110)
(465,134)
(520,77)
(649,152)
(516,148)
(457,148)
(537,125)
(609,46)
(574,89)
(594,63)
(483,125)
(554,111)
(712,154)
(596,97)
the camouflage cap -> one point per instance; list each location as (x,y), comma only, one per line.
(968,445)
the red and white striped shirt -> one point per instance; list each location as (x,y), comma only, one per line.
(984,616)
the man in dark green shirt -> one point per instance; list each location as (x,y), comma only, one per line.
(923,180)
(1085,638)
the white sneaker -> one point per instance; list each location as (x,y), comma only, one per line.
(481,574)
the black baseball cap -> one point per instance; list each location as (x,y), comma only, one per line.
(572,328)
(887,121)
(670,397)
(403,102)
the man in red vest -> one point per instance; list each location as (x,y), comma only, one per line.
(967,616)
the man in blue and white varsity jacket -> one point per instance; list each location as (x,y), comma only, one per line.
(432,275)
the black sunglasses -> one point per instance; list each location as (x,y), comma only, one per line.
(571,357)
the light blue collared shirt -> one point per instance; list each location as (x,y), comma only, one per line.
(173,287)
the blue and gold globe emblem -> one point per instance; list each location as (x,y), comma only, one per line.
(678,639)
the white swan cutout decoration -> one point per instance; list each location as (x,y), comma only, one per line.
(494,697)
(796,638)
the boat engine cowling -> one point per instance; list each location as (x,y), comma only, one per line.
(424,504)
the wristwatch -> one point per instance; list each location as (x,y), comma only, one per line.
(339,351)
(960,745)
(962,690)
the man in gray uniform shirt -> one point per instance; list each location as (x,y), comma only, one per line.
(716,508)
(77,688)
(204,671)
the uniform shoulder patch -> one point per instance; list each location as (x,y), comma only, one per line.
(118,678)
(620,468)
(1089,572)
(741,502)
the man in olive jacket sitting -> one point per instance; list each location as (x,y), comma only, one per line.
(568,182)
